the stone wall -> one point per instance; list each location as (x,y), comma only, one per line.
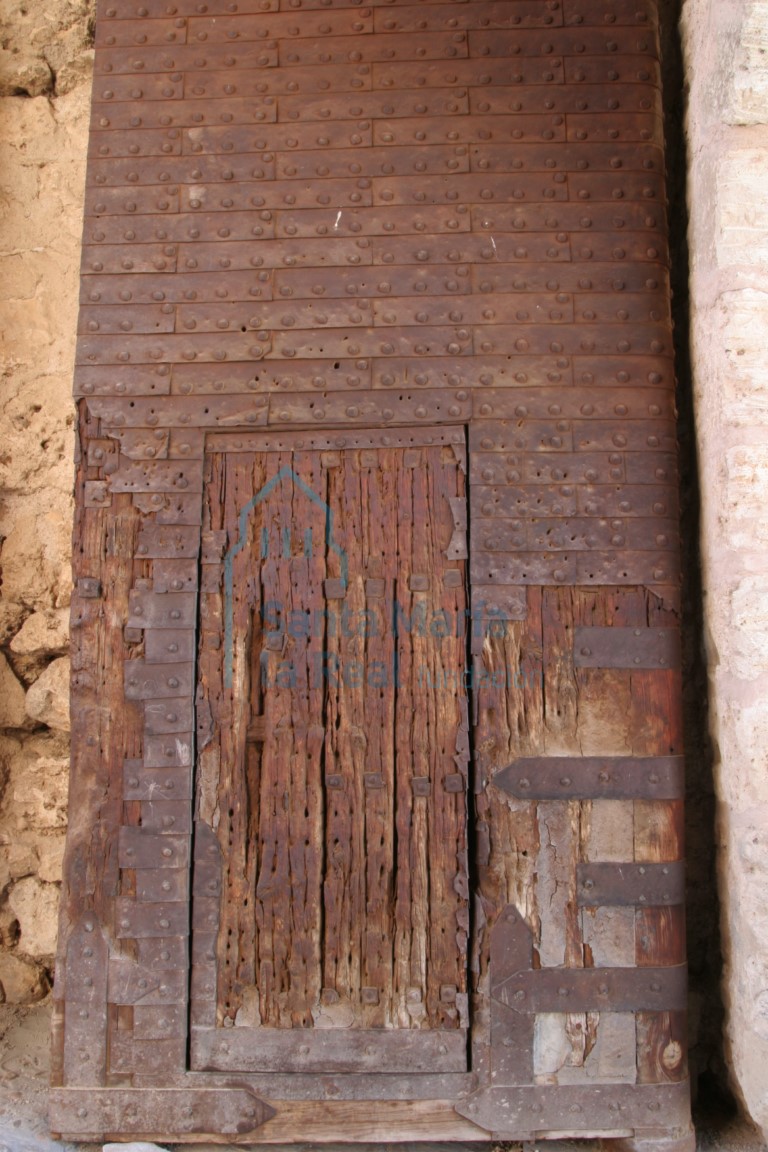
(45,65)
(726,49)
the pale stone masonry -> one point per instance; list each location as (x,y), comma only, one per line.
(726,53)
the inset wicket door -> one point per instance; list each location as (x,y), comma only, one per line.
(331,906)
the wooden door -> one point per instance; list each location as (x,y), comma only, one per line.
(332,777)
(319,236)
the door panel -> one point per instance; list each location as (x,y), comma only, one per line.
(361,224)
(332,656)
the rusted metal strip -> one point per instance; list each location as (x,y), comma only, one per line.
(156,784)
(512,1033)
(161,476)
(148,920)
(218,411)
(85,1023)
(168,645)
(631,70)
(578,534)
(172,750)
(643,885)
(163,952)
(318,440)
(169,542)
(581,567)
(174,575)
(366,1086)
(595,990)
(132,983)
(97,1113)
(205,924)
(590,403)
(163,1060)
(583,1108)
(626,647)
(171,611)
(594,777)
(328,1050)
(556,435)
(207,887)
(567,41)
(169,884)
(167,816)
(160,1022)
(562,501)
(140,849)
(427,406)
(170,507)
(492,605)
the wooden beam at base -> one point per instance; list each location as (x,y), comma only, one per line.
(233,1116)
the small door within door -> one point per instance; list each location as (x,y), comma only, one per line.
(331,912)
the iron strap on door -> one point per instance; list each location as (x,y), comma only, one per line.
(331,808)
(341,234)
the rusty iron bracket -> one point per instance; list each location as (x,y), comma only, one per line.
(595,990)
(583,1108)
(95,1113)
(656,648)
(85,1023)
(643,885)
(593,778)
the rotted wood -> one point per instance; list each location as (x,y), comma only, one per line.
(597,712)
(409,643)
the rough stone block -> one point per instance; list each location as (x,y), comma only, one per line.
(36,907)
(24,75)
(746,484)
(12,710)
(742,740)
(51,854)
(11,616)
(744,374)
(21,982)
(43,632)
(35,799)
(48,698)
(741,233)
(746,654)
(747,91)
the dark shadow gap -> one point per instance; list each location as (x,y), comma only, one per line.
(709,1076)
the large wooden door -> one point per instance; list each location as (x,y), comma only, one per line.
(320,235)
(332,780)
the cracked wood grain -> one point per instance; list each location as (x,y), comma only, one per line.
(342,830)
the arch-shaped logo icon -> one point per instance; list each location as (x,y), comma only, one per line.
(242,525)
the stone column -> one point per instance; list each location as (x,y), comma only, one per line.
(726,51)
